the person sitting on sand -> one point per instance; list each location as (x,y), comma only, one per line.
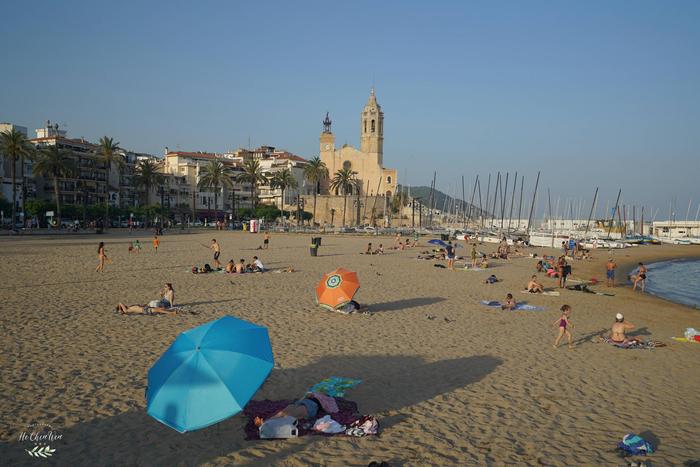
(534,286)
(618,331)
(509,304)
(230,267)
(539,266)
(380,250)
(369,251)
(257,265)
(240,267)
(492,279)
(401,245)
(484,262)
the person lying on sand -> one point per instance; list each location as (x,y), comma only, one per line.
(492,279)
(533,286)
(353,307)
(619,329)
(509,304)
(306,407)
(281,270)
(144,310)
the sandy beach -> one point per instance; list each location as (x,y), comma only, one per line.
(475,385)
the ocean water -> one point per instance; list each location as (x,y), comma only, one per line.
(677,280)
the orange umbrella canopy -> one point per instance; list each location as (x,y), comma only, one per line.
(337,288)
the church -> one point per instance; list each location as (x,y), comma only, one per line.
(366,162)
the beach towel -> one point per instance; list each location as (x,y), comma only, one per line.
(631,344)
(518,306)
(549,293)
(335,386)
(346,415)
(635,445)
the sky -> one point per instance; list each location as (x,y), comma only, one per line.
(596,93)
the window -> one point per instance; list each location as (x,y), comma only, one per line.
(365,121)
(347,165)
(372,126)
(388,180)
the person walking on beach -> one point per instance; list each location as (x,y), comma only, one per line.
(266,240)
(450,253)
(156,242)
(102,256)
(610,267)
(474,256)
(641,277)
(564,324)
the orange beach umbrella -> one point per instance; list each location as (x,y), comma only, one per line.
(337,288)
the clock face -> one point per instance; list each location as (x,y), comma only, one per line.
(328,146)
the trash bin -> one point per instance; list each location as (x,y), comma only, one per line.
(313,249)
(445,237)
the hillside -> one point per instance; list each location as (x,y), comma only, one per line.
(441,199)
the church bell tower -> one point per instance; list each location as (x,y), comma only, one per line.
(372,128)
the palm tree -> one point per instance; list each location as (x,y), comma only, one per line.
(283,180)
(345,181)
(252,173)
(55,163)
(107,152)
(214,176)
(14,145)
(146,175)
(315,171)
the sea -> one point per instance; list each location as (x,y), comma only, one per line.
(675,280)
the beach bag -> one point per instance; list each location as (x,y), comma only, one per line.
(279,428)
(635,445)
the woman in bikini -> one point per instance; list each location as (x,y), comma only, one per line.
(164,306)
(564,325)
(641,277)
(102,257)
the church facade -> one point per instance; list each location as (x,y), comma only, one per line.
(366,162)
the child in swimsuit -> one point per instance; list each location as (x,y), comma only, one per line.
(564,325)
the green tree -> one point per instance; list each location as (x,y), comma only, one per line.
(344,180)
(146,176)
(14,145)
(54,162)
(214,176)
(252,173)
(315,172)
(108,152)
(283,180)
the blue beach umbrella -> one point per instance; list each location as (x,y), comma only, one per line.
(435,241)
(208,374)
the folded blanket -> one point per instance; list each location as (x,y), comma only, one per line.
(346,415)
(518,306)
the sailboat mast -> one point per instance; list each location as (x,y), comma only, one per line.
(512,200)
(612,218)
(590,214)
(532,206)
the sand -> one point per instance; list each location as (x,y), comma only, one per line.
(484,388)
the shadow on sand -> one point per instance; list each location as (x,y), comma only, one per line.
(134,438)
(404,303)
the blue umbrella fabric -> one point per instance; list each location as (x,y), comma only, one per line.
(208,374)
(442,244)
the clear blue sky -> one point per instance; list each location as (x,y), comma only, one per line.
(592,93)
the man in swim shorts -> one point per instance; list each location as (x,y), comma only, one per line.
(216,248)
(610,272)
